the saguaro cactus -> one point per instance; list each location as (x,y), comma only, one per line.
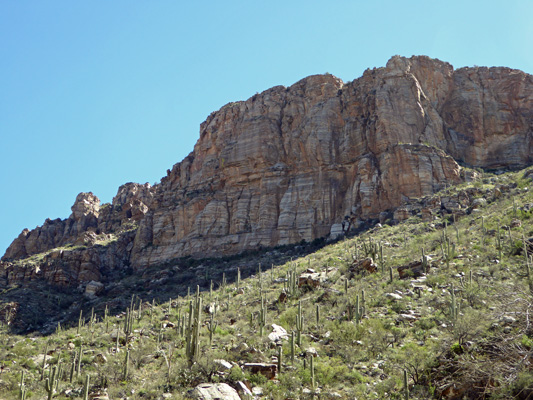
(312,367)
(212,327)
(299,323)
(79,361)
(262,316)
(453,305)
(126,364)
(22,386)
(44,360)
(52,382)
(193,329)
(405,385)
(280,356)
(128,324)
(292,347)
(80,322)
(86,388)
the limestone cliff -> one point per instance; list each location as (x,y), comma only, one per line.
(292,162)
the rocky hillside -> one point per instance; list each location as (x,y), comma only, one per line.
(295,163)
(435,309)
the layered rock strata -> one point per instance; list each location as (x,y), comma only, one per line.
(292,162)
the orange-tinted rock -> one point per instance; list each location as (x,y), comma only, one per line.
(412,270)
(290,163)
(362,267)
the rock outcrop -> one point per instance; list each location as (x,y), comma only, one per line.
(88,219)
(292,163)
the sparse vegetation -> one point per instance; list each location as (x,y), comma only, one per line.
(462,330)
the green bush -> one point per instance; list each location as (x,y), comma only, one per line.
(332,371)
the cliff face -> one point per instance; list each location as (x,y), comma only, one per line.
(290,164)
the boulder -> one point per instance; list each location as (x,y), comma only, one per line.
(222,365)
(278,334)
(214,391)
(362,267)
(98,395)
(401,214)
(478,203)
(244,390)
(93,288)
(267,370)
(313,280)
(393,296)
(414,269)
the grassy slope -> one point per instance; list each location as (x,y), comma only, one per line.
(484,351)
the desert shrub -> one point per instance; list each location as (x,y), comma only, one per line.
(416,360)
(471,324)
(377,335)
(345,333)
(523,386)
(330,371)
(235,374)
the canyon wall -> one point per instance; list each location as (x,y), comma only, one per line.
(292,162)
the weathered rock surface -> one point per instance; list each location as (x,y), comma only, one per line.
(214,391)
(292,162)
(414,269)
(88,219)
(311,279)
(71,266)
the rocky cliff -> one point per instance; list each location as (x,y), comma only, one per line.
(293,163)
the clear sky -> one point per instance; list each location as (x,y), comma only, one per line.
(94,94)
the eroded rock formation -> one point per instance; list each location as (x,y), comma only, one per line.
(292,162)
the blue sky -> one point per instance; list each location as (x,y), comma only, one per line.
(96,94)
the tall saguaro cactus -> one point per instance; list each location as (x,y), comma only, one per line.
(193,329)
(262,317)
(299,324)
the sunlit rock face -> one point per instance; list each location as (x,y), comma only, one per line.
(291,163)
(287,164)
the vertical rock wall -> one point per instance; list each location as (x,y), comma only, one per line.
(289,163)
